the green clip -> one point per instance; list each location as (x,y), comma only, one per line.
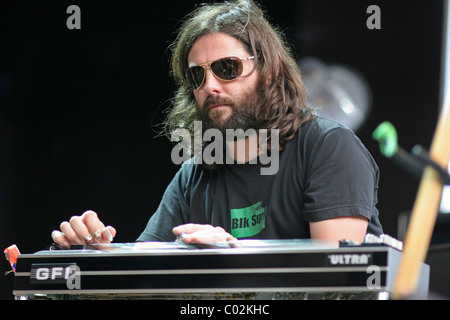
(386,135)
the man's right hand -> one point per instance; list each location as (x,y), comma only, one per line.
(84,229)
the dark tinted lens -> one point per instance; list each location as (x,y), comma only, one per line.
(195,76)
(227,69)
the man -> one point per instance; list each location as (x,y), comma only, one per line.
(235,72)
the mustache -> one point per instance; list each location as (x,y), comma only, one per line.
(214,100)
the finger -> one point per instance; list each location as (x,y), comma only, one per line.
(108,234)
(92,223)
(77,224)
(69,233)
(59,238)
(190,228)
(231,238)
(226,236)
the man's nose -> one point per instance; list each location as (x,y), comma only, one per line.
(212,85)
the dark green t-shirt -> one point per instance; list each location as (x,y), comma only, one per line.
(324,172)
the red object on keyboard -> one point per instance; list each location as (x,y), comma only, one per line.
(11,253)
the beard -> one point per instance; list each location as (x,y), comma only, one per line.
(244,115)
(244,112)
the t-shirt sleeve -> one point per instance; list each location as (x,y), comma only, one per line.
(341,178)
(171,211)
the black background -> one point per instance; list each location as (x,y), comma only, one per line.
(79,109)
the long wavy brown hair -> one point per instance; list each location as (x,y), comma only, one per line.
(284,96)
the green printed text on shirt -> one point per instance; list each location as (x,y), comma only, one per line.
(247,222)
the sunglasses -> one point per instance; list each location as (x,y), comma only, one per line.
(226,69)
